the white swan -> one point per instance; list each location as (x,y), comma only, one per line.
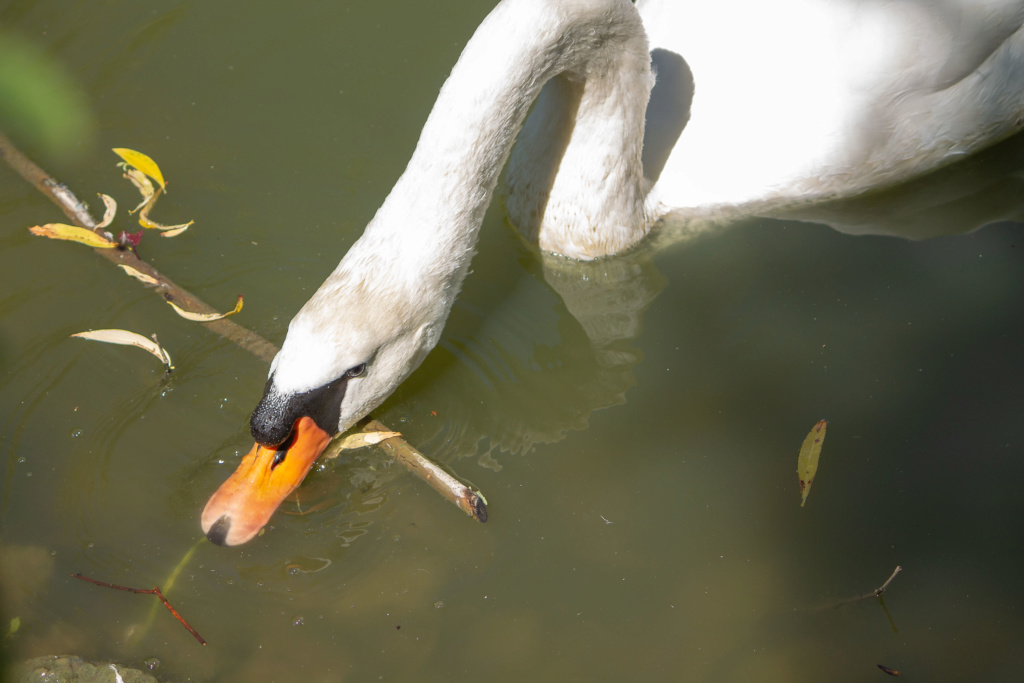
(758,105)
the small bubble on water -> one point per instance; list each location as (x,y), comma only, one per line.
(75,434)
(298,621)
(152,663)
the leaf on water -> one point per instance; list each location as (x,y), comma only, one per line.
(139,168)
(146,222)
(142,184)
(174,232)
(204,317)
(138,275)
(365,439)
(142,163)
(108,214)
(807,462)
(128,339)
(72,233)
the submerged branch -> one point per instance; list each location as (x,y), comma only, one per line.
(468,500)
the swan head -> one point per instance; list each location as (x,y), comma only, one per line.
(346,351)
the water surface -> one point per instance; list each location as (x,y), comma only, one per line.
(634,424)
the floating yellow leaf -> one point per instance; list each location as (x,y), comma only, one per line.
(807,462)
(143,163)
(108,214)
(141,183)
(138,275)
(205,317)
(129,339)
(72,233)
(365,439)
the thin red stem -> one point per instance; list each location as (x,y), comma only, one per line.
(148,591)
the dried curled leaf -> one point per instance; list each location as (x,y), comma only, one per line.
(365,439)
(205,317)
(129,339)
(138,275)
(146,222)
(142,163)
(174,232)
(807,462)
(111,209)
(72,233)
(147,205)
(142,184)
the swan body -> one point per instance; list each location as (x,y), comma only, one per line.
(754,105)
(807,100)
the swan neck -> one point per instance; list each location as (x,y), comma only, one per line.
(466,141)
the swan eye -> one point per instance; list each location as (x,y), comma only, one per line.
(356,371)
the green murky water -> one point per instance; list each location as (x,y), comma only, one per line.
(638,456)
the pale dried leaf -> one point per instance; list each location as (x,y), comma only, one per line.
(128,339)
(142,184)
(174,232)
(111,209)
(138,275)
(365,439)
(146,222)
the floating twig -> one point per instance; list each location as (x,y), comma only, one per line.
(881,589)
(147,591)
(454,491)
(877,593)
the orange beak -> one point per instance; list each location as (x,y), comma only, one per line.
(246,501)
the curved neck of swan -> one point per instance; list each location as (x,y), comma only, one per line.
(576,184)
(396,285)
